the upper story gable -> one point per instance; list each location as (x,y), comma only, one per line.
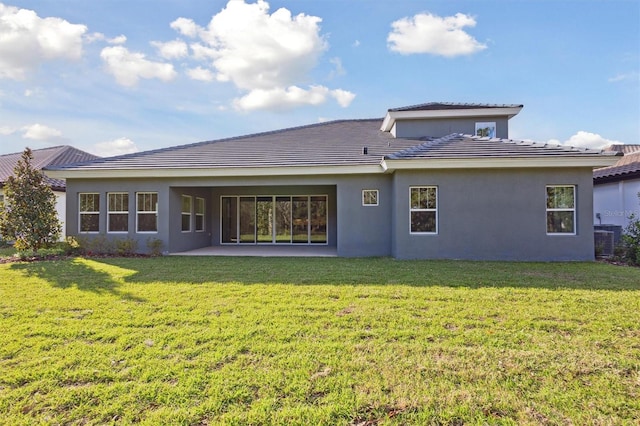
(438,119)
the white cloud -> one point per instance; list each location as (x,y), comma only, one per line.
(356,43)
(6,130)
(282,99)
(175,49)
(128,67)
(256,50)
(39,132)
(291,97)
(265,54)
(584,139)
(26,40)
(343,97)
(185,27)
(200,74)
(121,39)
(115,147)
(203,53)
(93,37)
(428,33)
(630,76)
(339,69)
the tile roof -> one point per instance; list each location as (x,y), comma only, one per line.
(335,143)
(624,148)
(332,143)
(467,146)
(628,167)
(54,156)
(433,106)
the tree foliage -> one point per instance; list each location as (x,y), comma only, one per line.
(29,215)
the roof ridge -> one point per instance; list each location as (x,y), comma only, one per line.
(426,146)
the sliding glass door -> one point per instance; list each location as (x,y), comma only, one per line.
(300,219)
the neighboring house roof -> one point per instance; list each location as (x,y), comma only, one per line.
(627,167)
(54,156)
(330,148)
(624,148)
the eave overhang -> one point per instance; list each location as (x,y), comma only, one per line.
(391,165)
(386,165)
(393,116)
(214,172)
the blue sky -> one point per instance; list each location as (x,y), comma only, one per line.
(119,76)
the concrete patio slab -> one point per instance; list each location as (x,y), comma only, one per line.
(262,251)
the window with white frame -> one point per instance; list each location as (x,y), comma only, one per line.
(423,209)
(199,214)
(186,213)
(147,212)
(117,212)
(369,197)
(89,208)
(486,129)
(561,209)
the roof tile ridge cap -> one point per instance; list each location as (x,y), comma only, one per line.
(424,145)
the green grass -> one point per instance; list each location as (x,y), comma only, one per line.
(178,340)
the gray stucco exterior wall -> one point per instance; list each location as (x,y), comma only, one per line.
(493,215)
(364,230)
(483,214)
(130,186)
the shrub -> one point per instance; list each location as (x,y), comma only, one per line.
(631,239)
(155,246)
(126,246)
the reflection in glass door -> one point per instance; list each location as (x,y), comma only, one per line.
(229,219)
(247,219)
(283,220)
(300,220)
(274,219)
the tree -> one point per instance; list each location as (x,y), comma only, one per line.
(29,216)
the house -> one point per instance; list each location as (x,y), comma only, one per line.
(437,180)
(54,156)
(616,188)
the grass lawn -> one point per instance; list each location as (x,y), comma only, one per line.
(188,340)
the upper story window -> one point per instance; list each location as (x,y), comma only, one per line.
(117,212)
(561,209)
(423,209)
(186,213)
(486,129)
(199,214)
(89,208)
(147,212)
(369,197)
